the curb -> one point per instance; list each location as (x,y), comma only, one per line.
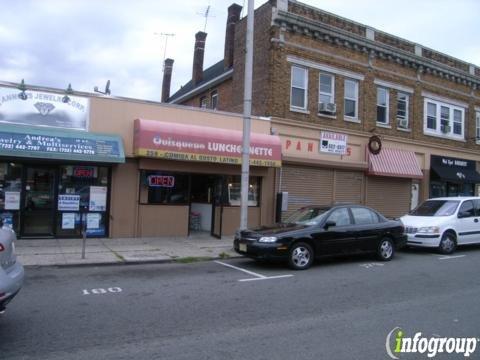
(135,262)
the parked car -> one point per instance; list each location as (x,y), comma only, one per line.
(444,223)
(11,270)
(316,231)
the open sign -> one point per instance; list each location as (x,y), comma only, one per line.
(161,181)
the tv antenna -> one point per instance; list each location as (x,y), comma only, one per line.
(107,89)
(167,35)
(206,14)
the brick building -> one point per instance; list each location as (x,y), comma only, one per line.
(331,86)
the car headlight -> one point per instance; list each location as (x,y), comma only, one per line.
(429,230)
(267,239)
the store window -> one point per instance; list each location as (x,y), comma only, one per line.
(82,200)
(234,191)
(10,189)
(165,188)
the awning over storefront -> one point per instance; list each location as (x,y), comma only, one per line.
(455,170)
(173,141)
(396,163)
(58,144)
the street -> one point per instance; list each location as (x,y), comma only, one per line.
(341,308)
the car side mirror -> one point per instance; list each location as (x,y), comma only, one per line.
(329,224)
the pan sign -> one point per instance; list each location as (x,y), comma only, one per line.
(333,143)
(161,181)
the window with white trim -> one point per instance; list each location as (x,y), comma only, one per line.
(452,119)
(477,118)
(403,101)
(214,99)
(382,106)
(351,99)
(203,102)
(298,93)
(326,94)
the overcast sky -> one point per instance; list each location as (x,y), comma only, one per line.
(86,42)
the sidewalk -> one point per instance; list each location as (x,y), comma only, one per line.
(101,251)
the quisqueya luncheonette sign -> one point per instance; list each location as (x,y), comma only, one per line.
(173,141)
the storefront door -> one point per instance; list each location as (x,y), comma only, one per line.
(39,202)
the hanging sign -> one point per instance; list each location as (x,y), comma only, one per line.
(333,143)
(161,181)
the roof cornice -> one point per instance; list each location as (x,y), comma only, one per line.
(324,32)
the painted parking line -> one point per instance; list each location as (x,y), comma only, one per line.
(371,265)
(451,257)
(256,275)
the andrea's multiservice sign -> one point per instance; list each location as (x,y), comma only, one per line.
(200,143)
(333,143)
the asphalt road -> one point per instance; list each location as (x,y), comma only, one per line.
(340,309)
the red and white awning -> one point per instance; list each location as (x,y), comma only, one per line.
(396,163)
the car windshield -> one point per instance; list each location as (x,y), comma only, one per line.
(308,216)
(436,208)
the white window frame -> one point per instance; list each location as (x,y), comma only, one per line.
(407,106)
(203,102)
(354,118)
(214,95)
(332,82)
(305,96)
(437,131)
(387,106)
(477,121)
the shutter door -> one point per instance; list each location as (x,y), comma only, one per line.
(390,196)
(349,186)
(306,186)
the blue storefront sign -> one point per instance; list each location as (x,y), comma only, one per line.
(18,141)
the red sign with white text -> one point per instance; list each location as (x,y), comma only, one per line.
(161,181)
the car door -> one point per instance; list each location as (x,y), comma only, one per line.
(468,225)
(367,228)
(336,239)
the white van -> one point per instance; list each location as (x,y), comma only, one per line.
(444,223)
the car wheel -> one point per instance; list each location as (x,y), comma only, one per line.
(448,244)
(385,250)
(300,256)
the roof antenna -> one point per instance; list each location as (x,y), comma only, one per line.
(167,35)
(206,14)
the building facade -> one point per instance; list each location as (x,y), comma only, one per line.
(116,167)
(363,116)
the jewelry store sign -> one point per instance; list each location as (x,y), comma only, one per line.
(40,108)
(333,143)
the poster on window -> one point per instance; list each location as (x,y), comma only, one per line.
(93,221)
(67,202)
(12,200)
(68,221)
(98,198)
(333,143)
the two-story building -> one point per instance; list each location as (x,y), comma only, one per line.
(363,115)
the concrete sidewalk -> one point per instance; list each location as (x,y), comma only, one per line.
(101,251)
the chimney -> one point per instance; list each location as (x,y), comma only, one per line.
(234,12)
(198,52)
(167,79)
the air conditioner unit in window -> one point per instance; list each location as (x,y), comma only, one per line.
(445,129)
(329,108)
(402,123)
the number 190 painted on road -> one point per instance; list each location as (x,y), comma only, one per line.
(101,291)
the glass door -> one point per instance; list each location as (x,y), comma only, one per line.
(38,205)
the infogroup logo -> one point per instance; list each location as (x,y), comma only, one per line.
(397,343)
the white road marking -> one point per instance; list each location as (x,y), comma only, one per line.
(257,276)
(451,257)
(267,278)
(370,265)
(101,291)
